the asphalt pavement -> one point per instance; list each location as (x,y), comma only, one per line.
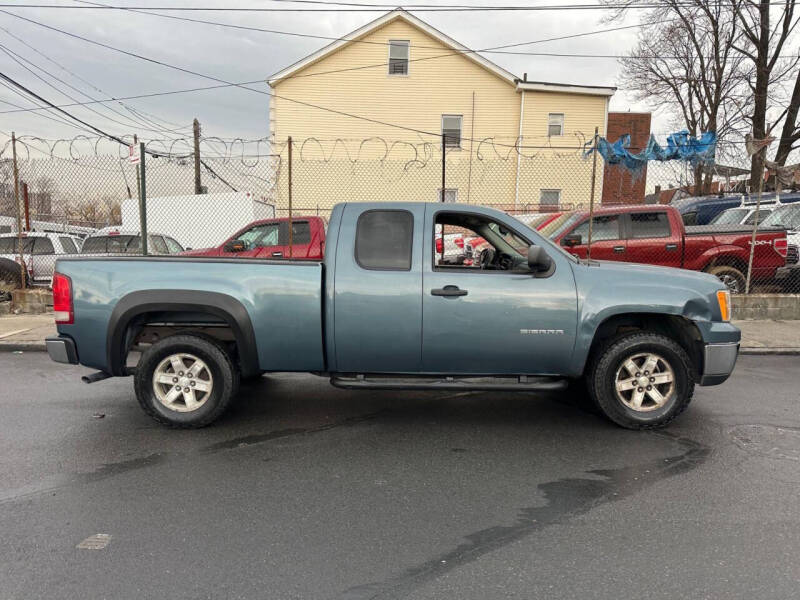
(304,491)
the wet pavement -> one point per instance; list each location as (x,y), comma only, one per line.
(307,491)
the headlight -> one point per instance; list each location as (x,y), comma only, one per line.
(724,300)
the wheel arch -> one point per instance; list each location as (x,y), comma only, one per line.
(222,307)
(676,327)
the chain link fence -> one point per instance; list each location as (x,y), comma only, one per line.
(209,206)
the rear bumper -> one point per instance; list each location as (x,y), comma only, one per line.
(62,350)
(718,362)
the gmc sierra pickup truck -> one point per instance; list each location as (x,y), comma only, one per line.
(656,235)
(382,310)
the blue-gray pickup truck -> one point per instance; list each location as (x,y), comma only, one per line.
(385,310)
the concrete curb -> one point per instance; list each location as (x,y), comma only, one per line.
(22,346)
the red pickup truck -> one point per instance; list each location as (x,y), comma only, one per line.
(270,239)
(656,235)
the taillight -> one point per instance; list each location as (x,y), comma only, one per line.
(439,245)
(781,246)
(459,242)
(62,299)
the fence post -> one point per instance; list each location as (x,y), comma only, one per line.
(198,185)
(591,196)
(444,168)
(142,198)
(755,223)
(27,206)
(19,214)
(290,196)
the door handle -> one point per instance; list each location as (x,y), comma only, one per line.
(448,291)
(619,249)
(278,254)
(671,247)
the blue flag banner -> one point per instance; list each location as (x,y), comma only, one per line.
(680,146)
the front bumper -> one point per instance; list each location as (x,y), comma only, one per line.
(718,362)
(787,274)
(62,350)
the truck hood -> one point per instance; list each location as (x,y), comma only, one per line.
(703,283)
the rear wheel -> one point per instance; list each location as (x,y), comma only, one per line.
(185,381)
(732,277)
(641,380)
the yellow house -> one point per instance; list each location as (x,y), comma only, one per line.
(369,114)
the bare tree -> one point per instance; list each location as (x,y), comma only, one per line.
(685,61)
(790,134)
(762,42)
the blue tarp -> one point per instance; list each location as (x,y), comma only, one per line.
(680,146)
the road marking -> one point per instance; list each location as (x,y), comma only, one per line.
(10,333)
(98,541)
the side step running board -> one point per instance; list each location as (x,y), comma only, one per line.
(523,383)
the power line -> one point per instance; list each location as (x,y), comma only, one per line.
(345,38)
(143,119)
(372,8)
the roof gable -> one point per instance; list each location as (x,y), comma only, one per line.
(381,21)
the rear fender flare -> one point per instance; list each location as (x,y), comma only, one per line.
(223,306)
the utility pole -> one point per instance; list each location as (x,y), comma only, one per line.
(198,186)
(291,240)
(19,213)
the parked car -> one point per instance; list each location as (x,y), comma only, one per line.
(379,312)
(701,210)
(742,215)
(788,217)
(269,238)
(656,235)
(113,240)
(39,252)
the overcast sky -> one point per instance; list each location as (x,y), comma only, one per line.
(236,55)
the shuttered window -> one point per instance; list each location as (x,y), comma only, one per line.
(398,57)
(555,124)
(451,129)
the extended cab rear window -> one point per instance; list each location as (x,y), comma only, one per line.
(649,225)
(383,240)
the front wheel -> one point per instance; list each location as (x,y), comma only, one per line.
(185,381)
(641,380)
(732,277)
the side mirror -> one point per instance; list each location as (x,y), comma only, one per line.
(538,260)
(574,239)
(235,246)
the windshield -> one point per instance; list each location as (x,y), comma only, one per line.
(515,241)
(732,216)
(785,216)
(562,224)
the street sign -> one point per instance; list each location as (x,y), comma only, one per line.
(133,154)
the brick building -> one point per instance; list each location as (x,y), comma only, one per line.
(619,185)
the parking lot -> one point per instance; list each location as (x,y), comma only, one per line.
(306,491)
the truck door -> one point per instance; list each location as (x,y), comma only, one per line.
(377,310)
(494,316)
(608,242)
(650,240)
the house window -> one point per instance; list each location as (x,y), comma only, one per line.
(555,124)
(451,130)
(550,197)
(450,195)
(398,57)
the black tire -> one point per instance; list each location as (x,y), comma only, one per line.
(608,361)
(225,377)
(10,274)
(732,277)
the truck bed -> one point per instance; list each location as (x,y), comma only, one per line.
(723,229)
(282,300)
